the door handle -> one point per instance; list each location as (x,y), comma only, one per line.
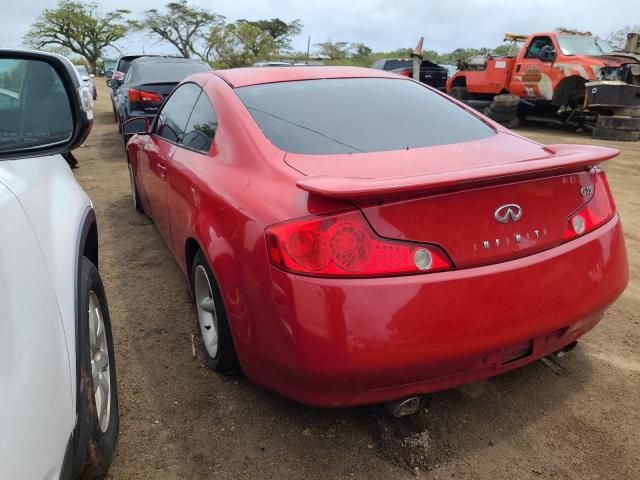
(162,170)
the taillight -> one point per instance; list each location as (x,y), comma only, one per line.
(595,213)
(344,245)
(140,96)
(406,72)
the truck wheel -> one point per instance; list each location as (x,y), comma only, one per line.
(617,135)
(618,122)
(460,93)
(506,100)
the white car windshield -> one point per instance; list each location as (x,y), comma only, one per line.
(583,45)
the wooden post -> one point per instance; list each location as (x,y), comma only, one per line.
(417,59)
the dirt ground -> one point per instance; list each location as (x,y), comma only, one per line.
(579,420)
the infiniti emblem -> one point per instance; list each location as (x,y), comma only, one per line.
(511,211)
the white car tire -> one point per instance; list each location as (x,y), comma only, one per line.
(96,433)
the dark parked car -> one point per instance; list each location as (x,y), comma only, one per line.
(122,67)
(148,82)
(430,73)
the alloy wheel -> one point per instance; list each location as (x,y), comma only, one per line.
(100,371)
(206,309)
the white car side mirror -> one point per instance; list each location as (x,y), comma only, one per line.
(47,110)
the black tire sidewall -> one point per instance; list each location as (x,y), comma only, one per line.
(226,361)
(93,448)
(498,116)
(136,192)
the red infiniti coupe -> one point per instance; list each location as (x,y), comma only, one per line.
(352,236)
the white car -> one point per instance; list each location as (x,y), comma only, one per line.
(87,79)
(58,396)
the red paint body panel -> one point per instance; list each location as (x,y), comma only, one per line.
(242,77)
(352,341)
(461,222)
(438,168)
(343,342)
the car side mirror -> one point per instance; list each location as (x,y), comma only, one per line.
(85,78)
(136,125)
(49,110)
(547,54)
(113,83)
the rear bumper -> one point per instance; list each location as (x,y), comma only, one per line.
(334,342)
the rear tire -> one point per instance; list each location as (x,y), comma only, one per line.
(96,433)
(459,93)
(135,195)
(217,341)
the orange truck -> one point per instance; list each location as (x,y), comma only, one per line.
(554,70)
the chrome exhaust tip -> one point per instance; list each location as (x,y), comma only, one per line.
(560,353)
(403,407)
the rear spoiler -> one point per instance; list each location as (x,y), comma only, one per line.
(561,158)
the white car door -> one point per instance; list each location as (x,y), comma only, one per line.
(36,414)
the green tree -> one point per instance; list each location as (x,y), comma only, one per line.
(361,51)
(80,28)
(239,44)
(280,31)
(618,39)
(334,50)
(181,25)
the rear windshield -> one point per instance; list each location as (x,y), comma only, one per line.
(357,115)
(166,71)
(123,65)
(396,64)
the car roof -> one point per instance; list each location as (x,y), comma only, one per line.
(243,77)
(164,59)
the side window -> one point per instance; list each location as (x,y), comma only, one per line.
(536,46)
(173,117)
(202,125)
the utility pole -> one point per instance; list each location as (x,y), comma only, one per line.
(417,59)
(308,45)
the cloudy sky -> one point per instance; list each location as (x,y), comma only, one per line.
(381,24)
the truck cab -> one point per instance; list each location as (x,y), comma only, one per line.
(549,69)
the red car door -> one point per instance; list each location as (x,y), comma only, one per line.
(191,160)
(155,160)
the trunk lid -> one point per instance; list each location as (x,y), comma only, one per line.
(482,202)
